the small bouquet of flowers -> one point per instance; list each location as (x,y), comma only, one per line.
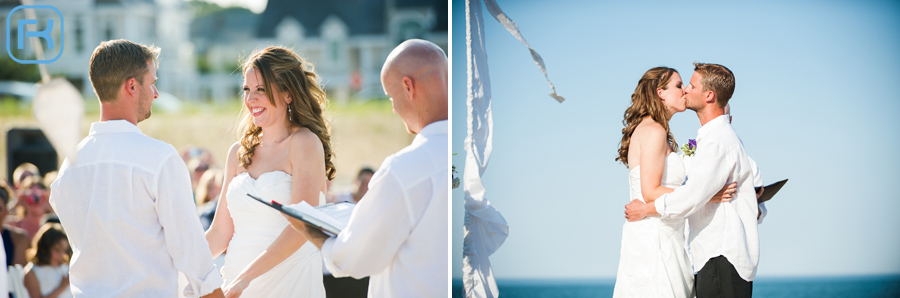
(690,147)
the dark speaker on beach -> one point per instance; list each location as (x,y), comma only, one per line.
(29,145)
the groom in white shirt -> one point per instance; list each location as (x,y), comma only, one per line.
(724,240)
(398,232)
(126,200)
(757,178)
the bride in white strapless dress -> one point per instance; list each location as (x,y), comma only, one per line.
(255,227)
(653,261)
(284,154)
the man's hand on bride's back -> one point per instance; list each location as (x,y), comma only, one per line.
(725,194)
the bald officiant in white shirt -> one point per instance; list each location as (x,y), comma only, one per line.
(397,233)
(126,203)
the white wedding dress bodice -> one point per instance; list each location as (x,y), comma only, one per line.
(255,228)
(653,261)
(673,176)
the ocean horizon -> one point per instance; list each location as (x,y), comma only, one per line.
(788,286)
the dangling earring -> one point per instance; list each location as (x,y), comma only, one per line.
(290,116)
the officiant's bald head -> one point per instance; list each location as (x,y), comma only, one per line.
(415,77)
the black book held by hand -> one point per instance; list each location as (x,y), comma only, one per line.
(770,190)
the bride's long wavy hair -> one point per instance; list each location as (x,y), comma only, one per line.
(282,68)
(646,102)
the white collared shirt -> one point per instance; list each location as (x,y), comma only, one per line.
(397,233)
(127,208)
(728,229)
(757,182)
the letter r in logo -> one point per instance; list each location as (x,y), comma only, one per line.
(23,33)
(45,34)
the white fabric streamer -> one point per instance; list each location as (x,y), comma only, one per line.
(58,108)
(513,29)
(485,228)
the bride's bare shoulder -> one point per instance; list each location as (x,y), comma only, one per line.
(233,151)
(304,140)
(233,162)
(649,129)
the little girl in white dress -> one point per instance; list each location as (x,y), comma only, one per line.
(47,273)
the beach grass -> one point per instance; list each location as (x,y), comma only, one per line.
(363,132)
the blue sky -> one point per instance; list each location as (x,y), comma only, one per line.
(816,101)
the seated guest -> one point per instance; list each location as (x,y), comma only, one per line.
(15,239)
(207,195)
(198,160)
(33,197)
(47,274)
(360,187)
(197,167)
(22,171)
(48,180)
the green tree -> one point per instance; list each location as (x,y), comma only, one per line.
(11,70)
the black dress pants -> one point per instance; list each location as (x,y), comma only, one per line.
(719,279)
(345,287)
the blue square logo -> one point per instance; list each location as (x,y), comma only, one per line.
(22,35)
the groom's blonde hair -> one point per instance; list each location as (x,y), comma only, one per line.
(115,61)
(718,79)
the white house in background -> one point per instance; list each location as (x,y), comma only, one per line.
(163,23)
(220,41)
(346,40)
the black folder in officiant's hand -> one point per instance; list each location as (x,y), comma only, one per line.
(770,190)
(322,224)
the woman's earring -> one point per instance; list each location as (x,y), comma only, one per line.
(290,116)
